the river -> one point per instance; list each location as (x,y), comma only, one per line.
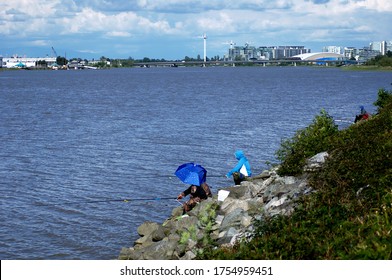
(73,141)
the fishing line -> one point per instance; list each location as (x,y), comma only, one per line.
(111,200)
(345,121)
(173,176)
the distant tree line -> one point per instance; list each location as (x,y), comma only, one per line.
(128,62)
(381,60)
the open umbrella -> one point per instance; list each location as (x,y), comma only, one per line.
(191,173)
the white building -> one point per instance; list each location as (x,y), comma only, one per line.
(383,46)
(25,62)
(333,49)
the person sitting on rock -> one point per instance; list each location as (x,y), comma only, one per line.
(197,194)
(242,170)
(362,116)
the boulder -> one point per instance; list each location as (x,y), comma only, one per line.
(233,219)
(164,250)
(146,228)
(233,204)
(315,162)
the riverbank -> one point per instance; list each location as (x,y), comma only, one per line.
(225,219)
(367,68)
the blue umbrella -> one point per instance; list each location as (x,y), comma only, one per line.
(190,173)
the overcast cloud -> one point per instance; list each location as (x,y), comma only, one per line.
(172,29)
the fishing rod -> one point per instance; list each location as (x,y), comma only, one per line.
(174,176)
(114,200)
(345,121)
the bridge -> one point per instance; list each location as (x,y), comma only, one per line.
(293,62)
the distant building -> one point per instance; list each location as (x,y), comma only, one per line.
(349,52)
(333,49)
(282,52)
(383,46)
(248,53)
(28,62)
(366,53)
(245,53)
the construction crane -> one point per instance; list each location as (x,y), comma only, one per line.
(54,53)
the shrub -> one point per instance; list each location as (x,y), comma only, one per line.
(306,143)
(384,97)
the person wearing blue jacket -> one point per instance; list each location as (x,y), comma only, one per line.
(242,169)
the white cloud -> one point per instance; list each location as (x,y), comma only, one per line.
(40,43)
(378,5)
(217,22)
(132,22)
(118,34)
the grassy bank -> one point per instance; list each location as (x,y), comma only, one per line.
(367,68)
(350,215)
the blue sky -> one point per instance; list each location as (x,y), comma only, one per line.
(173,29)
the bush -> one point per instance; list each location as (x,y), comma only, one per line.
(384,97)
(306,143)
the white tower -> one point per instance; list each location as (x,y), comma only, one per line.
(205,49)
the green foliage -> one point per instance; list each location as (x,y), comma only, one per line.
(350,214)
(306,143)
(384,97)
(381,60)
(207,221)
(61,61)
(207,215)
(190,233)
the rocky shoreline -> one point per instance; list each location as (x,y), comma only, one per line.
(224,219)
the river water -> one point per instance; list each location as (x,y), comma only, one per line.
(69,139)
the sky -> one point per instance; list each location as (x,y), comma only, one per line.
(173,29)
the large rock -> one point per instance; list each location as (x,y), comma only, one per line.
(164,250)
(146,228)
(230,205)
(233,219)
(316,162)
(150,232)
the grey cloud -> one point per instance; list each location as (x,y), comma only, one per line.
(17,16)
(320,1)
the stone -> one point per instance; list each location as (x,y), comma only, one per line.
(275,190)
(189,255)
(233,219)
(235,204)
(164,250)
(158,234)
(147,228)
(315,162)
(219,219)
(130,254)
(144,241)
(240,192)
(226,236)
(177,211)
(246,221)
(286,180)
(263,175)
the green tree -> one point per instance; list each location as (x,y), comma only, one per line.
(306,143)
(61,61)
(384,97)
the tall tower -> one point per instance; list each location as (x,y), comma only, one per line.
(205,49)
